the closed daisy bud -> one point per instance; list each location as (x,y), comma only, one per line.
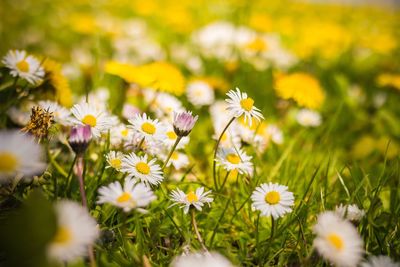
(337,240)
(184,123)
(193,198)
(79,138)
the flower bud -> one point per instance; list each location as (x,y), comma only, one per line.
(184,122)
(79,138)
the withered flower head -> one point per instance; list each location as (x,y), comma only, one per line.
(40,122)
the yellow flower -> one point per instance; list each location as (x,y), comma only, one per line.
(387,79)
(302,88)
(123,70)
(58,81)
(261,22)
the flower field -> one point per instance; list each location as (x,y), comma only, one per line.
(199,133)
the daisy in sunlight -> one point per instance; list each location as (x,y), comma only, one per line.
(308,118)
(232,159)
(24,66)
(150,130)
(196,199)
(114,159)
(142,169)
(200,93)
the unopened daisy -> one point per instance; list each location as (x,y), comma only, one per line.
(380,261)
(201,259)
(76,231)
(25,66)
(114,159)
(272,200)
(240,104)
(196,199)
(142,169)
(184,122)
(60,114)
(231,159)
(200,93)
(97,119)
(337,240)
(350,212)
(178,160)
(150,130)
(20,155)
(130,196)
(308,118)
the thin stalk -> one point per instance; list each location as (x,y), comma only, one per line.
(172,151)
(196,230)
(216,150)
(223,183)
(140,144)
(79,167)
(69,174)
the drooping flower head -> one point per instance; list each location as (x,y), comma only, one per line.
(80,138)
(184,122)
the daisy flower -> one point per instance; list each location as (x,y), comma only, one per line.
(142,169)
(114,159)
(19,155)
(212,259)
(240,104)
(308,118)
(184,122)
(162,104)
(60,114)
(195,199)
(380,261)
(25,66)
(128,197)
(231,159)
(337,240)
(150,130)
(121,134)
(200,93)
(76,231)
(350,212)
(272,200)
(97,119)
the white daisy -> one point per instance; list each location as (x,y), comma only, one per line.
(87,114)
(240,104)
(308,118)
(380,261)
(231,159)
(25,66)
(60,113)
(195,199)
(114,159)
(178,160)
(76,231)
(272,200)
(162,104)
(150,130)
(337,240)
(202,259)
(140,168)
(350,212)
(200,93)
(121,134)
(19,155)
(129,197)
(275,134)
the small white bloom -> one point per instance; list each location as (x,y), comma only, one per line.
(275,134)
(19,155)
(200,93)
(76,230)
(114,159)
(202,259)
(121,134)
(231,159)
(308,118)
(25,66)
(273,200)
(162,104)
(60,113)
(178,160)
(350,212)
(98,119)
(380,261)
(129,197)
(240,104)
(195,199)
(150,130)
(142,169)
(337,240)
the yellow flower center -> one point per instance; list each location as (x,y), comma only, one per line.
(171,135)
(336,241)
(8,162)
(63,235)
(90,120)
(192,197)
(148,128)
(124,197)
(272,197)
(115,163)
(143,167)
(175,155)
(23,66)
(233,158)
(257,45)
(124,132)
(247,104)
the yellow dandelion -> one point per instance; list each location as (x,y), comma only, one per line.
(302,88)
(123,70)
(387,79)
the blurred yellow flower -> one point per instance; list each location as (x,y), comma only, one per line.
(387,79)
(58,81)
(83,23)
(260,22)
(302,88)
(123,70)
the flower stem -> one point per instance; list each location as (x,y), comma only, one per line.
(79,167)
(216,150)
(196,230)
(172,151)
(223,183)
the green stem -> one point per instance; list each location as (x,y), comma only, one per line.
(172,151)
(216,150)
(80,174)
(69,174)
(223,183)
(196,230)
